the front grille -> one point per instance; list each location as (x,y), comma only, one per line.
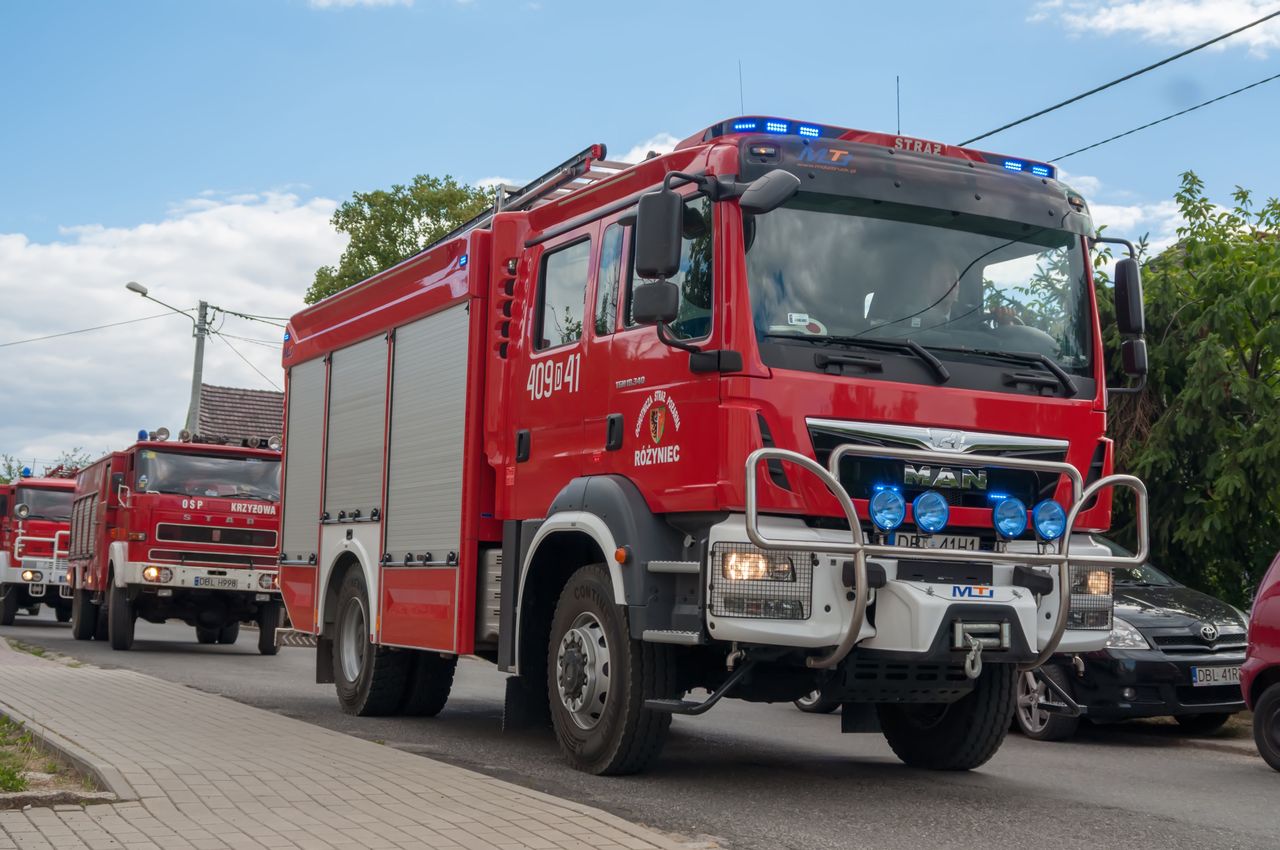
(1191,695)
(1089,611)
(216,535)
(216,558)
(762,599)
(1193,644)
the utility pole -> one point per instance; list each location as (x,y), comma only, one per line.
(199,331)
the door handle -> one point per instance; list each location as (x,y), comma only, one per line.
(613,432)
(523,439)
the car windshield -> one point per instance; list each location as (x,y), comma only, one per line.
(830,266)
(1143,576)
(45,504)
(202,475)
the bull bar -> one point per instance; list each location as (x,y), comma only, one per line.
(860,549)
(23,540)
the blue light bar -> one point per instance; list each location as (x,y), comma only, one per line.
(776,126)
(1041,171)
(742,126)
(1012,165)
(462,261)
(810,132)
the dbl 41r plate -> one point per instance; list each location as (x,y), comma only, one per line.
(963,542)
(1202,677)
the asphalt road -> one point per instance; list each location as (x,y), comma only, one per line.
(767,776)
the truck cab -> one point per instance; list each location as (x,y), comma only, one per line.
(34,533)
(183,530)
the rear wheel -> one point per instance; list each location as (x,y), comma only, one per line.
(1202,724)
(1034,721)
(814,703)
(229,633)
(1266,725)
(33,610)
(370,679)
(430,680)
(207,634)
(120,619)
(599,678)
(268,622)
(84,615)
(9,606)
(954,736)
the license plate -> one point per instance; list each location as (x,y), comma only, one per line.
(1209,676)
(936,541)
(215,581)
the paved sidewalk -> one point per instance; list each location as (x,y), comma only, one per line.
(198,771)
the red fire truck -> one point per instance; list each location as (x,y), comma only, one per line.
(181,530)
(843,440)
(34,527)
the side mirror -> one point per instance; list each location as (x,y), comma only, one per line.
(655,303)
(1130,318)
(659,223)
(769,192)
(1133,357)
(22,510)
(117,494)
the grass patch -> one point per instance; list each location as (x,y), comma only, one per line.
(30,649)
(26,765)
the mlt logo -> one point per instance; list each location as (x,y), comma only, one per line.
(837,159)
(972,591)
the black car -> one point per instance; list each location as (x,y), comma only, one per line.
(1173,651)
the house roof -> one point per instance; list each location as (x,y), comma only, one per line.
(237,413)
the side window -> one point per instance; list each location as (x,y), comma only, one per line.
(607,281)
(695,275)
(562,295)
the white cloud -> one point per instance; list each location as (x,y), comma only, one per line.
(661,143)
(493,182)
(1175,22)
(1085,184)
(250,253)
(346,4)
(1159,221)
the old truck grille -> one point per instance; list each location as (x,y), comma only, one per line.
(762,599)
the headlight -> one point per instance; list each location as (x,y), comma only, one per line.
(930,511)
(31,575)
(269,581)
(888,509)
(1050,519)
(157,574)
(755,566)
(1125,636)
(1009,517)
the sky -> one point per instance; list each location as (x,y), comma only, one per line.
(200,147)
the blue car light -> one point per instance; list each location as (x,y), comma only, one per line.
(1050,519)
(1009,517)
(888,509)
(931,511)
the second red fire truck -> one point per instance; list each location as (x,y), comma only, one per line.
(34,532)
(844,440)
(181,530)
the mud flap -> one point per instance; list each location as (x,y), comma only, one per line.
(324,661)
(859,717)
(524,706)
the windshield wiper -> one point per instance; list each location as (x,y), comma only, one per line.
(1070,390)
(903,345)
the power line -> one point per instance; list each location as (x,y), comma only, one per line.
(263,342)
(237,353)
(266,320)
(84,330)
(1117,82)
(1166,118)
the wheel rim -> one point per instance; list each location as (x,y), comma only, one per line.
(1031,717)
(810,699)
(352,637)
(582,670)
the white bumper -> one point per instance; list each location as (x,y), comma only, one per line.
(52,571)
(231,580)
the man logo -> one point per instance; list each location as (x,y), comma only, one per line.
(972,591)
(944,476)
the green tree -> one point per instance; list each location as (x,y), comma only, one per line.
(1205,436)
(10,469)
(386,226)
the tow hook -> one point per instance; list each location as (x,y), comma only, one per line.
(973,661)
(976,637)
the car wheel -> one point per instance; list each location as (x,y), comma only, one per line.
(958,735)
(1266,725)
(229,633)
(1202,724)
(430,680)
(120,619)
(1033,721)
(268,622)
(62,613)
(813,703)
(84,615)
(370,679)
(206,634)
(9,606)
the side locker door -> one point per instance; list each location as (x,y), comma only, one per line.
(423,520)
(549,406)
(300,524)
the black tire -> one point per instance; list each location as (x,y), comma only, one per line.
(610,732)
(1266,725)
(9,606)
(101,622)
(1041,725)
(62,613)
(84,615)
(268,622)
(120,619)
(207,634)
(33,610)
(229,634)
(814,703)
(370,679)
(1202,724)
(956,736)
(430,680)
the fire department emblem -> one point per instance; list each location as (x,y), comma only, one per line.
(657,422)
(657,409)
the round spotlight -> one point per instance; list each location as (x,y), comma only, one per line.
(931,511)
(1009,517)
(888,509)
(162,434)
(184,436)
(1050,519)
(275,442)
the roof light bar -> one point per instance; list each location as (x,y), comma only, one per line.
(776,126)
(810,132)
(743,126)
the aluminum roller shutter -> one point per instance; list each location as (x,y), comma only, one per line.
(302,446)
(428,407)
(357,427)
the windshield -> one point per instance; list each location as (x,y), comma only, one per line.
(1143,576)
(846,267)
(200,475)
(45,504)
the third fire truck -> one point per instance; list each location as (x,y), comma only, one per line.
(181,530)
(846,438)
(34,531)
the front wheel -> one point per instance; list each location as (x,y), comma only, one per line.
(9,606)
(370,679)
(960,735)
(229,633)
(62,613)
(84,615)
(1202,724)
(268,622)
(814,703)
(120,619)
(1266,725)
(598,679)
(207,634)
(1033,721)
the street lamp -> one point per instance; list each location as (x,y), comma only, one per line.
(200,329)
